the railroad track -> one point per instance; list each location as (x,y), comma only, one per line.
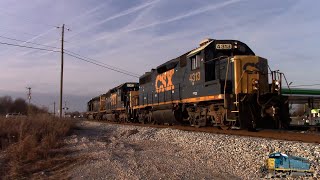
(301,136)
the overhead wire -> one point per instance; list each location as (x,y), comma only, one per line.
(30,47)
(135,74)
(24,41)
(77,57)
(113,69)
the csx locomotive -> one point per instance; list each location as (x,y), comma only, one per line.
(220,83)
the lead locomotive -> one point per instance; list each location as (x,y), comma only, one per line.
(221,83)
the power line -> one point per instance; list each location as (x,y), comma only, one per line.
(79,55)
(24,41)
(30,47)
(18,40)
(80,58)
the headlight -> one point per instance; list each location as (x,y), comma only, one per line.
(276,85)
(255,84)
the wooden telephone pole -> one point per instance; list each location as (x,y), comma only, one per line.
(61,76)
(54,109)
(29,99)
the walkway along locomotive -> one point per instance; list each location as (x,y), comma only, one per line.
(220,83)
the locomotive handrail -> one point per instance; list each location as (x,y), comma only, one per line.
(240,79)
(217,58)
(287,84)
(225,85)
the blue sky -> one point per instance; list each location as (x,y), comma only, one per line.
(138,35)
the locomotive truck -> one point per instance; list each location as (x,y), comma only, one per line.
(220,83)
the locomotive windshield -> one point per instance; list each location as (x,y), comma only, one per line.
(215,53)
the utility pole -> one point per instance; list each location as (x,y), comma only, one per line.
(65,108)
(29,99)
(61,76)
(54,109)
(29,94)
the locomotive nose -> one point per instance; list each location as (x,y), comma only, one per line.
(250,74)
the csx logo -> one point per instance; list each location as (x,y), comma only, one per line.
(164,81)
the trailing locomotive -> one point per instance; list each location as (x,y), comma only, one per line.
(220,83)
(115,105)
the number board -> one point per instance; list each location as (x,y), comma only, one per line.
(223,46)
(130,85)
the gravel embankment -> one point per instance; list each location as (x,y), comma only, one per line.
(130,152)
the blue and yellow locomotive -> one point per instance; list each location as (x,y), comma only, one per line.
(282,165)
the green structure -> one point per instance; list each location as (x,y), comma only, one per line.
(292,91)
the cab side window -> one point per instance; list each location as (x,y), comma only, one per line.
(195,62)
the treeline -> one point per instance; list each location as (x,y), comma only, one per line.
(19,105)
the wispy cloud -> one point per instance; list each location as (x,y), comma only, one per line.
(129,27)
(186,15)
(124,13)
(88,12)
(201,10)
(115,16)
(73,20)
(260,31)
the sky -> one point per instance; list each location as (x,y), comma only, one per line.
(137,35)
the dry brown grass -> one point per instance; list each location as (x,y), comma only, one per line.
(31,145)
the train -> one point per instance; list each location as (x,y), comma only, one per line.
(283,165)
(220,83)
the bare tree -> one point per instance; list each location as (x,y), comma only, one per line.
(19,106)
(5,104)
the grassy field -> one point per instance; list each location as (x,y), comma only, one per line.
(32,145)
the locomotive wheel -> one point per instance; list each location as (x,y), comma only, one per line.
(197,125)
(226,125)
(143,121)
(150,119)
(194,122)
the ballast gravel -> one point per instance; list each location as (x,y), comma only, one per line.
(130,152)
